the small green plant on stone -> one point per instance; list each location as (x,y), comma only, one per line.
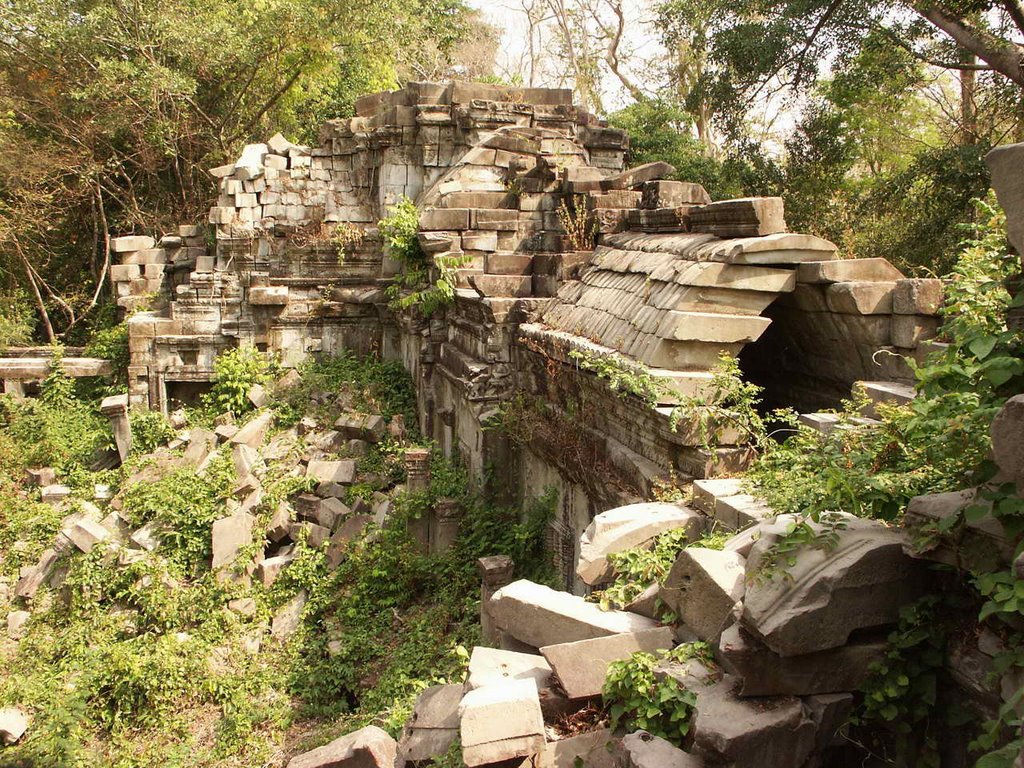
(637,699)
(638,568)
(235,372)
(346,238)
(623,376)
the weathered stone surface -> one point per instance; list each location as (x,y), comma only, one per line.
(54,494)
(860,583)
(230,535)
(32,578)
(765,673)
(581,666)
(288,617)
(495,666)
(635,176)
(269,568)
(342,472)
(501,722)
(201,443)
(253,432)
(917,296)
(597,749)
(891,392)
(627,527)
(860,298)
(350,529)
(644,750)
(16,621)
(746,217)
(361,426)
(13,724)
(1008,440)
(1006,164)
(539,616)
(767,732)
(433,725)
(42,477)
(908,331)
(369,747)
(86,533)
(702,588)
(981,544)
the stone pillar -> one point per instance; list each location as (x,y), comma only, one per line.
(495,573)
(444,525)
(417,480)
(115,408)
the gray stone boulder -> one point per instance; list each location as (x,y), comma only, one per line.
(433,725)
(861,581)
(495,666)
(342,472)
(1007,166)
(501,722)
(13,724)
(581,666)
(537,616)
(1008,436)
(766,732)
(254,431)
(764,673)
(369,747)
(230,535)
(644,750)
(597,749)
(703,587)
(622,528)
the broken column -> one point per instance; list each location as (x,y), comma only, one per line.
(115,408)
(444,528)
(417,480)
(495,573)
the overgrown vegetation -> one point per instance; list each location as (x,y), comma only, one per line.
(425,282)
(235,373)
(158,667)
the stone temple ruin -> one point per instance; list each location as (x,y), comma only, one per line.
(668,280)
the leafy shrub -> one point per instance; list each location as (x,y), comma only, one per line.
(235,372)
(17,319)
(150,429)
(112,344)
(637,700)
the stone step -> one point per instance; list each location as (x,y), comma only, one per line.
(847,270)
(826,422)
(724,500)
(889,392)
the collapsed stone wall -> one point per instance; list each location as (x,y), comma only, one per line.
(674,280)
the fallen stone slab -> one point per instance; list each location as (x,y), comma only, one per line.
(501,722)
(361,426)
(288,617)
(433,725)
(16,621)
(582,666)
(342,472)
(253,432)
(496,666)
(13,724)
(369,747)
(765,673)
(597,749)
(352,528)
(648,603)
(537,616)
(201,443)
(230,535)
(32,578)
(859,583)
(147,537)
(766,732)
(645,750)
(703,587)
(627,527)
(980,544)
(86,533)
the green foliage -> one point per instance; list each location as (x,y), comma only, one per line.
(150,429)
(425,283)
(623,376)
(17,321)
(638,568)
(901,690)
(112,344)
(637,700)
(235,372)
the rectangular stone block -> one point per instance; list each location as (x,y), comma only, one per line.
(501,722)
(130,243)
(918,296)
(847,271)
(435,219)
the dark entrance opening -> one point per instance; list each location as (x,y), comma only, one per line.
(185,393)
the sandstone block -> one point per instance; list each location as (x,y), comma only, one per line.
(268,295)
(910,330)
(269,568)
(342,471)
(230,535)
(860,583)
(369,747)
(672,194)
(352,528)
(702,588)
(745,217)
(848,270)
(539,616)
(622,528)
(253,432)
(433,725)
(1008,439)
(41,477)
(13,724)
(495,666)
(501,722)
(85,534)
(131,243)
(634,177)
(860,298)
(768,732)
(644,750)
(361,426)
(765,673)
(596,749)
(440,219)
(581,666)
(918,296)
(1006,164)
